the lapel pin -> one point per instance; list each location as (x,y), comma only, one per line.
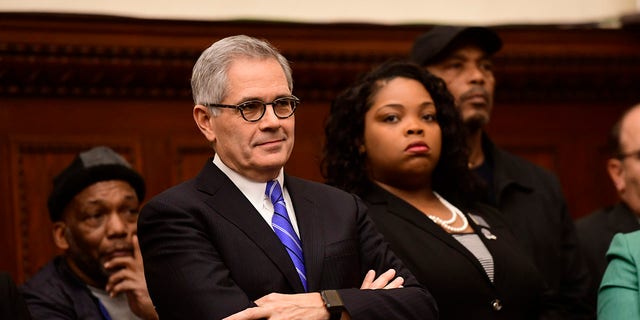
(487,234)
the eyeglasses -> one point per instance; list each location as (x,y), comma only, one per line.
(635,154)
(254,110)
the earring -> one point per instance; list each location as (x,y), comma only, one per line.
(361,149)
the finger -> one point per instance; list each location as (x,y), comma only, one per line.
(396,283)
(124,262)
(249,313)
(368,279)
(122,286)
(383,279)
(137,254)
(119,277)
(269,298)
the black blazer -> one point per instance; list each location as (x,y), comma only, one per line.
(208,253)
(595,233)
(453,274)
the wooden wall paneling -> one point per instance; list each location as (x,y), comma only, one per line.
(309,138)
(586,181)
(35,161)
(9,226)
(189,155)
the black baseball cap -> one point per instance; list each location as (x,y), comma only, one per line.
(432,45)
(89,167)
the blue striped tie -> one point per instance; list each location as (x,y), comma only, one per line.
(284,230)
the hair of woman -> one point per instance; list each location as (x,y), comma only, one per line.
(343,163)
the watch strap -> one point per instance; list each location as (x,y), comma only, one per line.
(333,303)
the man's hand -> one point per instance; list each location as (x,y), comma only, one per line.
(276,306)
(383,281)
(129,278)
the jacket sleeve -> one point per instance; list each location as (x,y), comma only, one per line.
(185,273)
(410,302)
(618,297)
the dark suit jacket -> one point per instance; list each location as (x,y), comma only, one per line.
(531,201)
(208,253)
(595,232)
(452,273)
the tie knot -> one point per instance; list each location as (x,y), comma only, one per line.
(273,191)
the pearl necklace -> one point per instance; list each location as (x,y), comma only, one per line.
(455,213)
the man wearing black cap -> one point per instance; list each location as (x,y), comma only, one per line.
(529,197)
(94,209)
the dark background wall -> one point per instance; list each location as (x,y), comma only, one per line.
(70,82)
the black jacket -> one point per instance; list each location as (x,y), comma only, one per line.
(452,273)
(56,293)
(531,200)
(595,232)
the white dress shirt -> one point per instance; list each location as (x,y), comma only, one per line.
(255,193)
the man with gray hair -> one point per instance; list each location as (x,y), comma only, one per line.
(243,239)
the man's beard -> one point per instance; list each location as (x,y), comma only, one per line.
(476,122)
(90,266)
(480,113)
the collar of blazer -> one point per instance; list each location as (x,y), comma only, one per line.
(226,200)
(400,208)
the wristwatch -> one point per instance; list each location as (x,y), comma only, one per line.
(333,303)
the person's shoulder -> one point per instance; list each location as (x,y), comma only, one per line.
(48,281)
(175,193)
(625,244)
(632,238)
(594,219)
(526,172)
(314,188)
(180,191)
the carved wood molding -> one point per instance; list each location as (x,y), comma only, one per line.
(88,56)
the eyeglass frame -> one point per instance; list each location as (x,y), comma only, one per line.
(621,156)
(239,107)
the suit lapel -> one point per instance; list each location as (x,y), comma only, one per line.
(400,208)
(229,202)
(309,224)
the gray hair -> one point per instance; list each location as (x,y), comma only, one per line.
(209,77)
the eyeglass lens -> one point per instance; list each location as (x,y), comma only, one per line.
(254,110)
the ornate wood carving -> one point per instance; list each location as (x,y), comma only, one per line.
(537,63)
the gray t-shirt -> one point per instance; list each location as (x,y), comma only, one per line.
(118,306)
